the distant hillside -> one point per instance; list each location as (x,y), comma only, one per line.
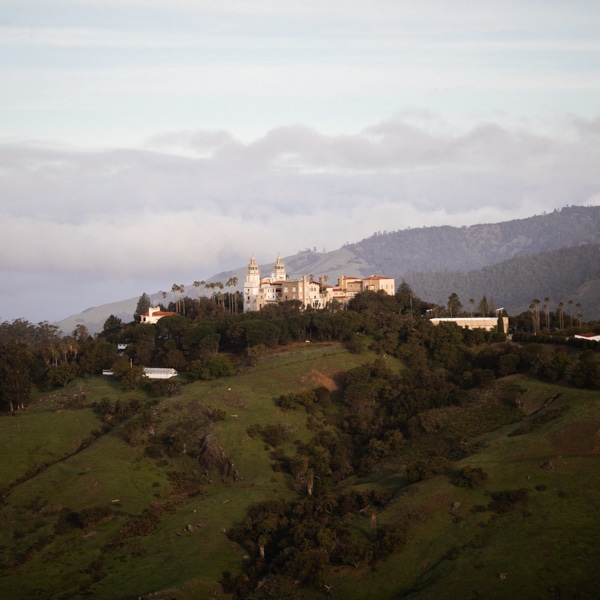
(409,254)
(467,248)
(560,275)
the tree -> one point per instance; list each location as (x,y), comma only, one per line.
(234,282)
(133,378)
(561,315)
(212,367)
(211,286)
(197,285)
(405,296)
(483,307)
(547,312)
(454,304)
(61,375)
(175,289)
(570,303)
(81,333)
(585,373)
(112,325)
(182,302)
(15,375)
(535,310)
(471,304)
(144,303)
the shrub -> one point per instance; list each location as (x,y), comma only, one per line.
(503,501)
(275,435)
(470,477)
(212,367)
(254,430)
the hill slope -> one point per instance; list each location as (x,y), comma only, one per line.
(87,514)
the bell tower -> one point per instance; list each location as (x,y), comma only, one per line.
(278,273)
(251,286)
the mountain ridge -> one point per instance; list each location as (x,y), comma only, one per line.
(410,254)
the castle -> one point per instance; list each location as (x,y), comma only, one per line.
(259,292)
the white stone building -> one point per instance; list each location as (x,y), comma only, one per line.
(278,287)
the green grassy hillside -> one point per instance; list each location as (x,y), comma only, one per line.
(115,508)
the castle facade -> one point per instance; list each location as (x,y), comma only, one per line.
(278,287)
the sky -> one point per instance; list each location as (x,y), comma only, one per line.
(151,142)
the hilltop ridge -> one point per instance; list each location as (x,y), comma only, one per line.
(419,256)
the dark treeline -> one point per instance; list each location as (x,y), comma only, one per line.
(515,282)
(207,340)
(210,341)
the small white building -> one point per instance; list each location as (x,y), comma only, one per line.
(158,373)
(487,323)
(591,337)
(154,314)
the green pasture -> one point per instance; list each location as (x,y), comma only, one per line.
(152,537)
(188,546)
(544,547)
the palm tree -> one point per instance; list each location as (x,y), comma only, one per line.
(561,315)
(535,314)
(182,302)
(197,285)
(547,311)
(471,304)
(175,290)
(570,303)
(211,286)
(234,282)
(219,284)
(228,284)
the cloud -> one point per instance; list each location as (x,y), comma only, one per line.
(196,202)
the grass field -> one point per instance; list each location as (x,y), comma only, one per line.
(145,535)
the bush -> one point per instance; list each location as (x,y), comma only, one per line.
(254,430)
(275,435)
(212,367)
(469,477)
(503,501)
